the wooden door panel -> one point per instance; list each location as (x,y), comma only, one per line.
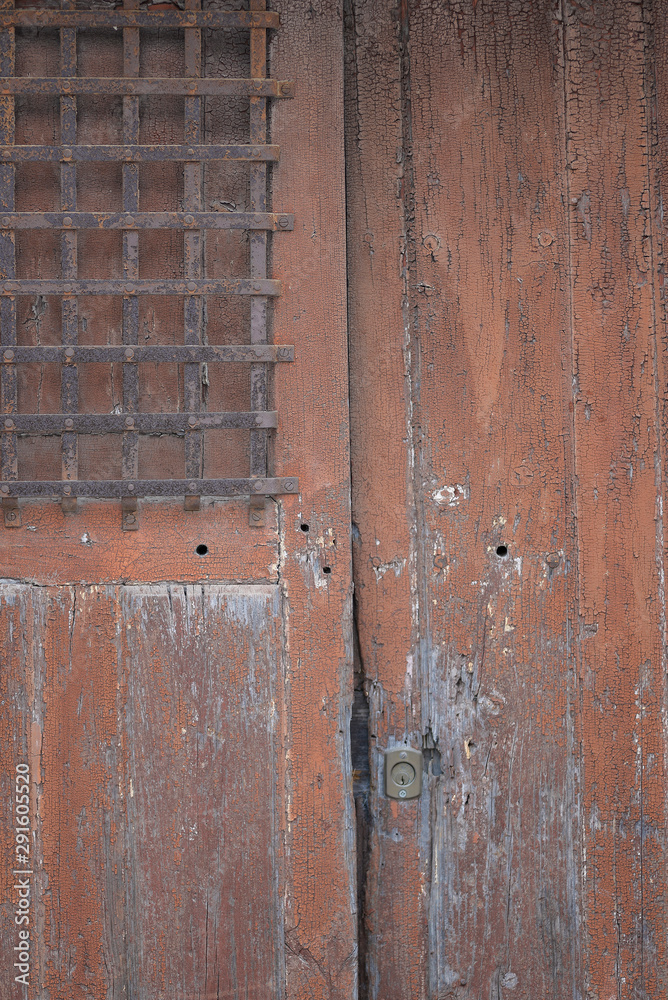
(189,734)
(505,259)
(155,715)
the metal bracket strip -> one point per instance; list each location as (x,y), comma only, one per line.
(174,86)
(130,179)
(258,260)
(154,20)
(92,286)
(69,387)
(136,153)
(115,489)
(193,254)
(135,423)
(8,381)
(271,221)
(210,353)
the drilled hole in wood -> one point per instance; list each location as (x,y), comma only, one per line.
(202,550)
(501,551)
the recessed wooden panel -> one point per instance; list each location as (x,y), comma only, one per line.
(154,719)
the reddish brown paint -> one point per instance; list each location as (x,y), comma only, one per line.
(504,193)
(173,690)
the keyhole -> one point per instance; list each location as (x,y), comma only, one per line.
(403,774)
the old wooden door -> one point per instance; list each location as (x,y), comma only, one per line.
(175,688)
(506,173)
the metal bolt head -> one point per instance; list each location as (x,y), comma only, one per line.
(5,220)
(67,490)
(67,288)
(8,355)
(192,421)
(288,484)
(258,487)
(189,220)
(131,487)
(192,285)
(67,221)
(69,352)
(4,489)
(284,222)
(129,221)
(129,422)
(257,286)
(129,354)
(402,793)
(69,423)
(130,519)
(403,755)
(9,424)
(10,515)
(67,154)
(553,559)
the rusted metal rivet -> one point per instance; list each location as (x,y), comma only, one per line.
(129,354)
(545,238)
(188,220)
(129,288)
(192,487)
(67,489)
(127,153)
(131,487)
(5,221)
(256,286)
(4,489)
(129,422)
(67,221)
(286,88)
(129,221)
(6,154)
(9,424)
(288,484)
(67,288)
(192,421)
(69,352)
(553,559)
(191,152)
(258,487)
(10,286)
(67,154)
(8,355)
(66,85)
(69,423)
(192,285)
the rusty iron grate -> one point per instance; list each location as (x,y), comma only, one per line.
(193,287)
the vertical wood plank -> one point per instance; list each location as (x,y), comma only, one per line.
(474,93)
(312,441)
(615,257)
(393,922)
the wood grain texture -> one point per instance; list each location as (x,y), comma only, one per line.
(315,561)
(156,716)
(619,380)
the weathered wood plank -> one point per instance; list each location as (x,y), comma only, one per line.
(393,925)
(315,565)
(157,715)
(615,257)
(486,314)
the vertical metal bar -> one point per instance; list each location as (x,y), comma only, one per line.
(130,446)
(69,389)
(8,382)
(258,260)
(192,252)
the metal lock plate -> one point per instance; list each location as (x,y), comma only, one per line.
(403,773)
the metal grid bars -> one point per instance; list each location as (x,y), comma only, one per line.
(194,285)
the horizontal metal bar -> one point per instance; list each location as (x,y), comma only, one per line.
(128,86)
(159,354)
(272,221)
(109,489)
(141,423)
(138,19)
(93,286)
(137,154)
